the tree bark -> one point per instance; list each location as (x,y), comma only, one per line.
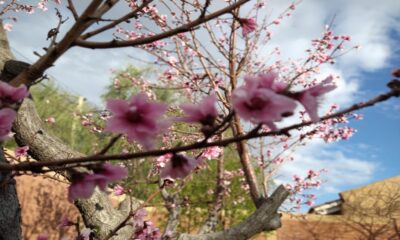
(10,211)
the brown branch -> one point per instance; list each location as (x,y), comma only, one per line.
(110,144)
(8,7)
(116,22)
(174,211)
(71,7)
(37,69)
(184,28)
(212,220)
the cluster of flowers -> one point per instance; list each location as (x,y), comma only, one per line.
(261,100)
(9,95)
(310,181)
(83,184)
(144,230)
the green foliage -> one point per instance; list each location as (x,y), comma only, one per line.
(65,109)
(123,79)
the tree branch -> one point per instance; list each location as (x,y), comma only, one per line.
(76,161)
(265,218)
(184,28)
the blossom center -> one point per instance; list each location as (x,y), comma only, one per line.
(178,161)
(208,120)
(133,115)
(256,103)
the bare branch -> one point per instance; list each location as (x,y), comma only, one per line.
(184,28)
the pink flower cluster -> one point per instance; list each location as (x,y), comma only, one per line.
(144,230)
(83,184)
(204,112)
(259,100)
(10,94)
(211,152)
(21,151)
(264,100)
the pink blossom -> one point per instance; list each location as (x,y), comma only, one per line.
(118,190)
(211,152)
(42,5)
(179,166)
(21,151)
(7,117)
(138,218)
(258,104)
(42,237)
(83,184)
(396,73)
(248,25)
(161,160)
(50,120)
(148,232)
(65,222)
(108,173)
(85,233)
(8,27)
(310,202)
(80,187)
(276,22)
(266,80)
(204,112)
(10,94)
(309,97)
(138,118)
(311,173)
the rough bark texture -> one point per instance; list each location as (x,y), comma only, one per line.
(265,218)
(10,211)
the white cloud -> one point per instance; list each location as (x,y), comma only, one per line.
(342,170)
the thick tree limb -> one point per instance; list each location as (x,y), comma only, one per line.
(174,210)
(10,211)
(265,218)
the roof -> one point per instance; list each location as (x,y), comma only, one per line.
(382,188)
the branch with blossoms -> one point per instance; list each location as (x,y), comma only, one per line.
(74,162)
(241,84)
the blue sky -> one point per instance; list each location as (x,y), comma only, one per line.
(378,137)
(370,155)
